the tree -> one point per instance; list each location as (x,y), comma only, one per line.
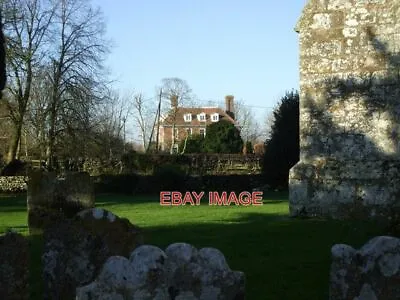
(223,137)
(76,63)
(249,127)
(177,92)
(282,150)
(142,118)
(3,72)
(111,125)
(26,25)
(192,144)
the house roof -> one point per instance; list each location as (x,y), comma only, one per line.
(178,117)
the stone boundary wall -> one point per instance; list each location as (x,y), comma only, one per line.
(13,184)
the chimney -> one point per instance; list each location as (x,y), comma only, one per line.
(229,106)
(174,101)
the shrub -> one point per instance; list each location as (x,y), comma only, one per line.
(116,184)
(170,177)
(14,168)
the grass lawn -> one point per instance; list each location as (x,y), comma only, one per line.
(282,258)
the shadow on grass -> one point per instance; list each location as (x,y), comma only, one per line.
(35,268)
(12,202)
(282,257)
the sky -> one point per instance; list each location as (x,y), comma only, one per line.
(245,48)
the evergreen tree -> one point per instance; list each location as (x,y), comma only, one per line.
(282,147)
(223,137)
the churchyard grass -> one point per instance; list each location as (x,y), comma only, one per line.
(283,258)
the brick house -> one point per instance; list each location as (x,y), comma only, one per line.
(188,121)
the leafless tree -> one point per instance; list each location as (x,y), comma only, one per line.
(26,24)
(111,123)
(250,129)
(76,61)
(143,111)
(177,93)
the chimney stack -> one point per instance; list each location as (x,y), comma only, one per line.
(229,106)
(174,101)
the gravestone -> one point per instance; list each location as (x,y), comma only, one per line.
(75,249)
(50,198)
(181,272)
(14,267)
(349,110)
(372,272)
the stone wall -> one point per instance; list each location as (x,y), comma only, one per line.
(349,111)
(13,184)
(373,272)
(50,198)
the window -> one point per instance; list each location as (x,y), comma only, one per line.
(203,132)
(189,131)
(201,117)
(187,117)
(215,117)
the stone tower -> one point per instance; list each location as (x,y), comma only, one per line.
(349,110)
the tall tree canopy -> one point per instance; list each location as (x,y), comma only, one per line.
(282,147)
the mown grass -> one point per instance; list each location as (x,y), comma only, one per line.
(283,258)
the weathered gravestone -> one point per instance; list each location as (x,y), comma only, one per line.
(14,267)
(180,273)
(50,198)
(371,273)
(349,110)
(75,249)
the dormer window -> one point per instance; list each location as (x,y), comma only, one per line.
(215,117)
(201,117)
(187,117)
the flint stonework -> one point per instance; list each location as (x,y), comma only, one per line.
(75,249)
(372,272)
(181,273)
(349,110)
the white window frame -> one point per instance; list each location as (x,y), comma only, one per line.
(187,117)
(202,116)
(215,117)
(202,129)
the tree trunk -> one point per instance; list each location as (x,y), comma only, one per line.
(15,139)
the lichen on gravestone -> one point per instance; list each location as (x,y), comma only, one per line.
(76,249)
(181,272)
(372,272)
